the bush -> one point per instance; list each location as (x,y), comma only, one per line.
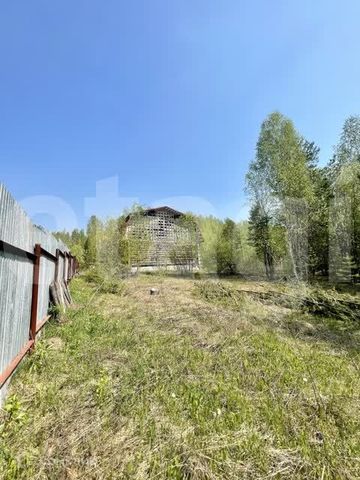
(106,282)
(112,286)
(93,275)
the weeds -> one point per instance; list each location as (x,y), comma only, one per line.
(56,312)
(102,389)
(15,415)
(199,382)
(321,302)
(106,282)
(332,304)
(219,292)
(112,286)
(38,359)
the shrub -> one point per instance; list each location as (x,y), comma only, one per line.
(106,282)
(112,286)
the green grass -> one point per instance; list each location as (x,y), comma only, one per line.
(184,385)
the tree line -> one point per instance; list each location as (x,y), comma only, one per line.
(304,213)
(304,218)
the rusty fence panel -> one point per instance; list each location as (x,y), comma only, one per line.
(27,253)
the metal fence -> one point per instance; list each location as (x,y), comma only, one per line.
(30,260)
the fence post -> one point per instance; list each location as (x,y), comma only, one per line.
(35,293)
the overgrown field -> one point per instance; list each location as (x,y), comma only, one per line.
(198,382)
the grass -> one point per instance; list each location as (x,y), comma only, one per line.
(187,384)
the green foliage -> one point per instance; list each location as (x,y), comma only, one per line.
(344,178)
(267,238)
(184,253)
(347,150)
(278,177)
(210,228)
(91,246)
(301,212)
(228,249)
(134,248)
(311,152)
(280,168)
(63,236)
(78,251)
(294,196)
(39,358)
(112,285)
(259,237)
(93,275)
(12,421)
(109,248)
(319,223)
(15,415)
(135,245)
(102,390)
(105,281)
(75,241)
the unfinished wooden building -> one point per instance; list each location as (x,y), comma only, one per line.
(163,238)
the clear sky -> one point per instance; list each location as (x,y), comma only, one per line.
(168,95)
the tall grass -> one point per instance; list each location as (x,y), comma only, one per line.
(184,385)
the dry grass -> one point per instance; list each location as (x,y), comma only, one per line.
(186,384)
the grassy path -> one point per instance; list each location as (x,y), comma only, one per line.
(183,386)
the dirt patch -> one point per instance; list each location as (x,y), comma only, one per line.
(55,343)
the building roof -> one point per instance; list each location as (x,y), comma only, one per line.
(152,211)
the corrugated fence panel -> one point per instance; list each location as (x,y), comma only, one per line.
(47,273)
(16,276)
(47,269)
(15,305)
(15,279)
(61,268)
(66,264)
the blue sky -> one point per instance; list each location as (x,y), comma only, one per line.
(168,96)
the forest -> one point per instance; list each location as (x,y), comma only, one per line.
(304,220)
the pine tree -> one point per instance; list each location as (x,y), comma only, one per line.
(344,175)
(90,247)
